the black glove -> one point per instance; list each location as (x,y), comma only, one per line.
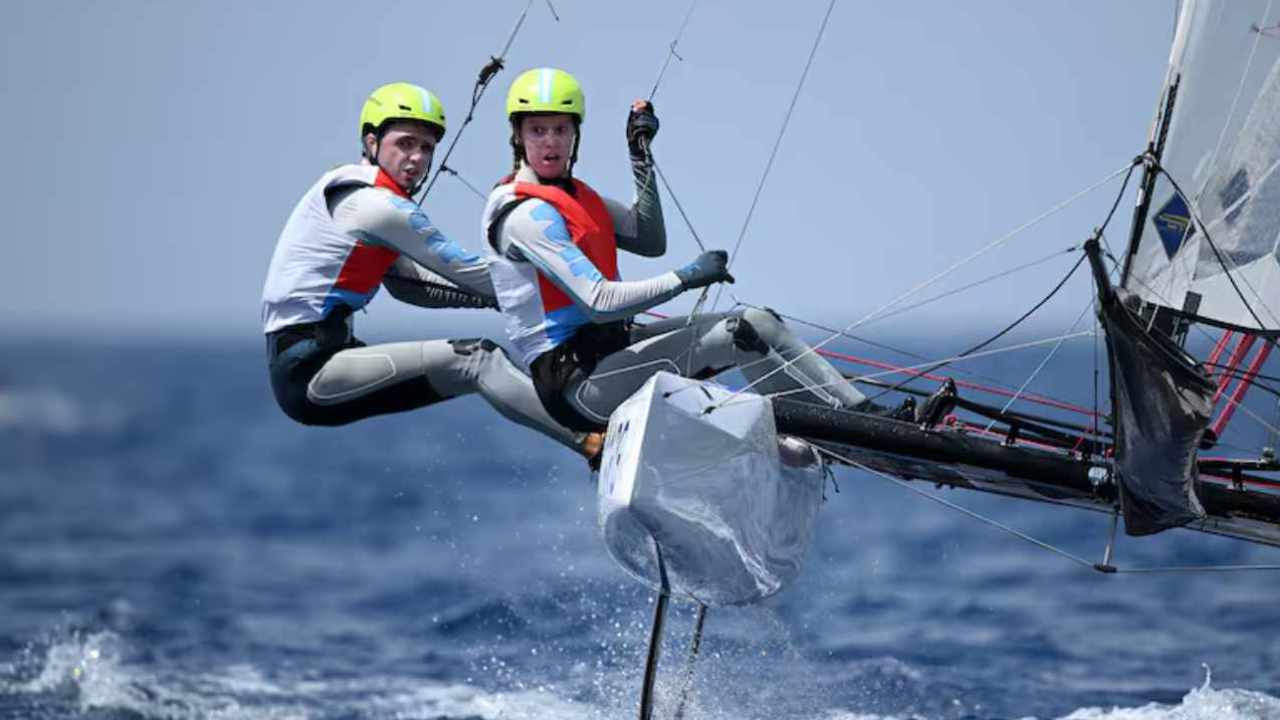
(642,125)
(710,267)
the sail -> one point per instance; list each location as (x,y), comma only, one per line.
(1222,149)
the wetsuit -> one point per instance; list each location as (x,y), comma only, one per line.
(554,269)
(352,232)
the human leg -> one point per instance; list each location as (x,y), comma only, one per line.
(755,341)
(377,379)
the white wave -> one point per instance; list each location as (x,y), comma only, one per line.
(87,670)
(1202,703)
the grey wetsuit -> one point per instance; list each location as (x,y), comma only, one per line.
(322,375)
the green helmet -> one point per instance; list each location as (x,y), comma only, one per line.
(546,90)
(400,101)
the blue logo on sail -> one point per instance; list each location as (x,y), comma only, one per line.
(1173,223)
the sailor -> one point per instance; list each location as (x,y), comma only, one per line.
(554,245)
(356,229)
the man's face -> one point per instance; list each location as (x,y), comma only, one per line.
(405,151)
(548,143)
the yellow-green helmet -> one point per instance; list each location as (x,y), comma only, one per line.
(400,101)
(546,90)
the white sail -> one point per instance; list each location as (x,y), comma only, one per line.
(1222,150)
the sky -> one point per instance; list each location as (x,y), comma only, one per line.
(160,146)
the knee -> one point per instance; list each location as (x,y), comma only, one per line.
(302,411)
(471,346)
(757,330)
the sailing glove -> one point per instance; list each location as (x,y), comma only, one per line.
(642,125)
(710,267)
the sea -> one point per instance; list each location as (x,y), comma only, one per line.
(171,546)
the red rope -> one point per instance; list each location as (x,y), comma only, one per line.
(1029,397)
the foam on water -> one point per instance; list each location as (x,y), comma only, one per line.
(1202,703)
(85,672)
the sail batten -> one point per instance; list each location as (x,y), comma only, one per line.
(1214,254)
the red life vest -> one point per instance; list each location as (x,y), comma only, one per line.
(590,228)
(365,266)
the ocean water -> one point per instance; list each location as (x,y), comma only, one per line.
(171,546)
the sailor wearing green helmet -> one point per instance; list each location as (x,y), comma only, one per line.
(356,229)
(553,259)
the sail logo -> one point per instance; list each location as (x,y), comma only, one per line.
(1173,224)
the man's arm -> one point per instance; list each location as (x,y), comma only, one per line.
(381,218)
(640,228)
(409,282)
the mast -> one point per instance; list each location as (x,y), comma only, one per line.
(1155,149)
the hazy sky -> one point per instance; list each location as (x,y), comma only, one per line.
(160,145)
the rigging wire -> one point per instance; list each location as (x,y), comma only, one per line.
(777,144)
(977,283)
(671,49)
(875,314)
(472,188)
(910,368)
(1222,262)
(671,53)
(1235,100)
(990,390)
(688,223)
(1218,255)
(995,337)
(493,67)
(1049,356)
(1104,568)
(947,503)
(994,388)
(1222,368)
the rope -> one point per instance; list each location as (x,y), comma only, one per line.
(977,283)
(688,223)
(938,365)
(776,144)
(671,49)
(947,503)
(1028,397)
(487,73)
(1020,346)
(1000,334)
(1035,373)
(980,252)
(472,188)
(1235,100)
(1097,233)
(1221,260)
(1107,569)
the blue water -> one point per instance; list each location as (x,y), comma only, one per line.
(171,546)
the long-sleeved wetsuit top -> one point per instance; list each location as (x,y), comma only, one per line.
(529,239)
(345,236)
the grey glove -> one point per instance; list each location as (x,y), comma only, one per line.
(642,125)
(710,267)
